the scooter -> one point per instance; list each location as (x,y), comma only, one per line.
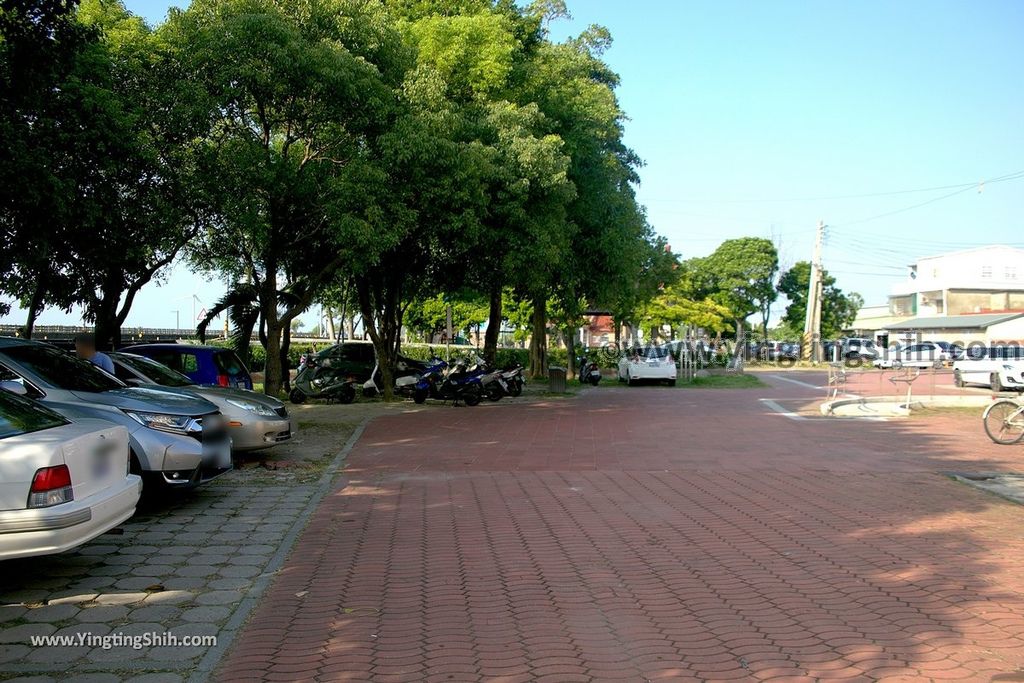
(446,383)
(407,375)
(589,372)
(513,380)
(317,379)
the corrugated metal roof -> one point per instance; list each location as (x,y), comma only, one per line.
(953,322)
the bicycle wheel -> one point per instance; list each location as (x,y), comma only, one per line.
(1004,422)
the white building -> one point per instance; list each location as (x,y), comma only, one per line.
(981,280)
(970,295)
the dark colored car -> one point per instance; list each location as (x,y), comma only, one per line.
(210,365)
(354,359)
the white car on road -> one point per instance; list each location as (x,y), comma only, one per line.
(925,354)
(997,367)
(647,363)
(61,483)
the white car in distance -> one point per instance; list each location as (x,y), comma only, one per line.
(999,368)
(647,363)
(62,483)
(925,354)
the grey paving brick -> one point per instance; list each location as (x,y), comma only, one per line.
(206,614)
(51,614)
(106,614)
(22,634)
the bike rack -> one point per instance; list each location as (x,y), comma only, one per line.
(836,380)
(908,376)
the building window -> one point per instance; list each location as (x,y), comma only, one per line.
(1010,272)
(986,271)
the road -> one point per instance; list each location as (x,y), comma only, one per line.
(642,534)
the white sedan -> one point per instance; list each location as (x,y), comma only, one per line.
(920,355)
(647,363)
(61,483)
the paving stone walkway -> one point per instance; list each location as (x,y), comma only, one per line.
(180,566)
(651,534)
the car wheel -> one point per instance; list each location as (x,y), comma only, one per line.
(994,383)
(629,379)
(134,464)
(958,379)
(297,396)
(670,382)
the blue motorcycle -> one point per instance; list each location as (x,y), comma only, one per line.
(449,383)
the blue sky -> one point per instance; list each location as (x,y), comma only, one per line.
(760,118)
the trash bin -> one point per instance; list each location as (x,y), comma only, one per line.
(556,380)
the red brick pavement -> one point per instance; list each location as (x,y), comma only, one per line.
(650,534)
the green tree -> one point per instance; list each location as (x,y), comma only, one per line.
(288,101)
(740,275)
(837,308)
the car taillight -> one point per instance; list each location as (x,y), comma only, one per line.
(51,486)
(222,380)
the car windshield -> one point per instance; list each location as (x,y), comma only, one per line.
(20,416)
(60,369)
(158,373)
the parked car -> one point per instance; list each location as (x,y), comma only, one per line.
(175,439)
(206,365)
(997,367)
(858,348)
(62,483)
(925,354)
(647,363)
(353,359)
(254,420)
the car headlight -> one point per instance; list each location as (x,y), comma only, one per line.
(253,407)
(177,424)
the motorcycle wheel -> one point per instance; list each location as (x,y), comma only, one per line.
(471,397)
(594,380)
(347,394)
(515,388)
(420,396)
(494,392)
(297,396)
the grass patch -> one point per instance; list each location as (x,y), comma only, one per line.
(734,381)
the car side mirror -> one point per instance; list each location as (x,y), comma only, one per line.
(14,387)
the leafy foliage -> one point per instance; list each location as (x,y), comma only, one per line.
(837,309)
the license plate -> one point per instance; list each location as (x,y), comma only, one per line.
(101,465)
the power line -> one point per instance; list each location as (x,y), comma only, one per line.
(960,187)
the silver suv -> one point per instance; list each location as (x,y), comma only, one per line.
(175,439)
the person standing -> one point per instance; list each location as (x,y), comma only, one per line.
(85,348)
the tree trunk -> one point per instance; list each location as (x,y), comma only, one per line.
(272,369)
(34,307)
(618,333)
(382,323)
(570,351)
(272,338)
(286,375)
(330,323)
(493,326)
(539,338)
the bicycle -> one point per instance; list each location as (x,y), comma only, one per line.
(1004,421)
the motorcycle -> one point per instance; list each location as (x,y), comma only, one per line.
(513,380)
(317,379)
(406,375)
(449,383)
(589,372)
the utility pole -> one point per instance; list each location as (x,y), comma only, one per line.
(812,318)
